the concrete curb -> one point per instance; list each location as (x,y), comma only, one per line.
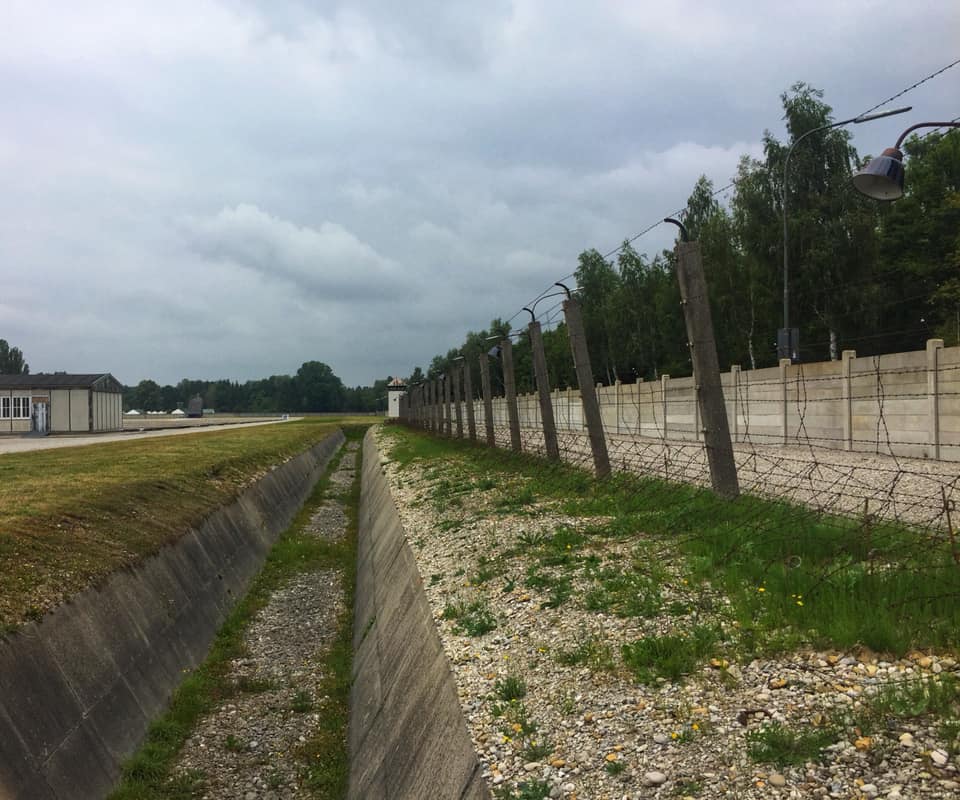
(408,737)
(79,689)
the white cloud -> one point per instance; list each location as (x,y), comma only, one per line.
(204,187)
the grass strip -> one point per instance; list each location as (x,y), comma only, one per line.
(147,774)
(792,576)
(71,516)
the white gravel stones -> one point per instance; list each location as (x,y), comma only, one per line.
(246,747)
(692,733)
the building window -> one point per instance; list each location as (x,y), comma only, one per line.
(4,408)
(21,408)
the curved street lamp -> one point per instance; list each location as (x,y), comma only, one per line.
(786,346)
(882,177)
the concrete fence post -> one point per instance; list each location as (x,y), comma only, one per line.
(934,346)
(588,393)
(784,366)
(487,399)
(547,420)
(697,433)
(428,418)
(706,369)
(664,385)
(510,393)
(618,401)
(735,388)
(447,410)
(468,401)
(457,374)
(846,394)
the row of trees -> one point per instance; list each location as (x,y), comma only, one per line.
(867,276)
(11,360)
(315,388)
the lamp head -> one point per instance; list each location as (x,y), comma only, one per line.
(882,178)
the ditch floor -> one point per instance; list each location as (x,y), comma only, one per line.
(247,749)
(554,711)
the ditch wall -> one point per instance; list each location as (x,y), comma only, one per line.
(408,737)
(79,689)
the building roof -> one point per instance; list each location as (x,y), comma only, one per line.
(103,381)
(397,383)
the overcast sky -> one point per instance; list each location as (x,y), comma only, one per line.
(228,189)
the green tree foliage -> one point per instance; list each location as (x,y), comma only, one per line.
(315,388)
(11,360)
(863,275)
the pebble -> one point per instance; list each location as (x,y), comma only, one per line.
(938,757)
(654,778)
(776,779)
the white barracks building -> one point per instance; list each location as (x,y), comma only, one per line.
(60,403)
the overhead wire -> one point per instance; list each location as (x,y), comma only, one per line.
(733,183)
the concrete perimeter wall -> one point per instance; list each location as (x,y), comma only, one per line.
(79,689)
(408,736)
(903,404)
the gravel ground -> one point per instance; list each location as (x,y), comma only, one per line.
(245,750)
(601,734)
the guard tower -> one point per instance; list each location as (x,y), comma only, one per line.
(395,390)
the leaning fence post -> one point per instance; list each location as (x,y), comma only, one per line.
(458,411)
(468,401)
(487,398)
(706,369)
(846,392)
(547,420)
(510,391)
(588,393)
(934,346)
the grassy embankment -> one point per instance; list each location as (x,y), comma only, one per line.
(729,581)
(69,517)
(323,757)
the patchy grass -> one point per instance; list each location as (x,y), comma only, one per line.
(147,774)
(783,746)
(671,656)
(775,575)
(71,516)
(473,618)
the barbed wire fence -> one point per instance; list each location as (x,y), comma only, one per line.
(861,453)
(853,464)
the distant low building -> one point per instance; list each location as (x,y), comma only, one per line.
(60,403)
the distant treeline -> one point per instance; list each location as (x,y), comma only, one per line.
(314,388)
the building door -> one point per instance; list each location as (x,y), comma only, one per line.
(41,417)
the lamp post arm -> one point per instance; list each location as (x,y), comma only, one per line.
(912,128)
